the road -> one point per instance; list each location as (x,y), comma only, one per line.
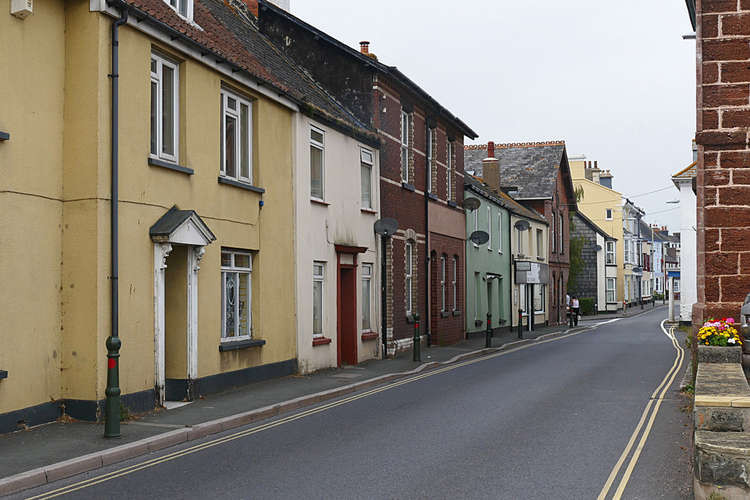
(549,420)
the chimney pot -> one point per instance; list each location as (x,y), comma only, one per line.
(596,164)
(490,149)
(364,47)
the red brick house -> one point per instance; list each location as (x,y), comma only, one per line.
(537,175)
(723,177)
(421,168)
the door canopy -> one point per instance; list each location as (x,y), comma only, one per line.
(183,227)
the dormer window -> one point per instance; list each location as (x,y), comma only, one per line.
(183,7)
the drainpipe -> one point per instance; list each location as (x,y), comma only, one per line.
(112,402)
(428,264)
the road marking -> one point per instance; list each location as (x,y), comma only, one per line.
(663,387)
(247,432)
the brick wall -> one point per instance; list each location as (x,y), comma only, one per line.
(447,327)
(723,178)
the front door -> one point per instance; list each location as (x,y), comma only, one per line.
(347,315)
(176,324)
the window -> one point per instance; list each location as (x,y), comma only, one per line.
(405,146)
(610,290)
(476,224)
(519,242)
(449,173)
(236,137)
(236,296)
(164,108)
(609,214)
(676,286)
(409,276)
(553,230)
(500,232)
(365,158)
(319,270)
(538,298)
(317,175)
(431,133)
(522,298)
(454,282)
(540,243)
(476,296)
(183,7)
(562,234)
(611,253)
(442,283)
(366,305)
(489,228)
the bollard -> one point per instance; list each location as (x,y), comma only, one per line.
(520,323)
(488,332)
(416,341)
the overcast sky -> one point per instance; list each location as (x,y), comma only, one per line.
(615,80)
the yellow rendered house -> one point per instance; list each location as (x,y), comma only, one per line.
(205,275)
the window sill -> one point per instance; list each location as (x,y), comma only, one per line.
(369,336)
(478,322)
(408,187)
(3,374)
(236,345)
(241,185)
(540,259)
(444,314)
(453,204)
(432,196)
(171,166)
(318,201)
(368,211)
(320,341)
(456,313)
(4,136)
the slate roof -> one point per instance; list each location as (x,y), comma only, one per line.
(504,200)
(229,31)
(173,219)
(593,226)
(531,167)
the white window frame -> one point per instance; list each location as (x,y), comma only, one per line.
(232,268)
(157,78)
(430,159)
(500,232)
(476,225)
(454,283)
(366,160)
(367,279)
(562,234)
(519,242)
(236,114)
(405,146)
(542,297)
(449,171)
(442,284)
(320,145)
(608,214)
(611,289)
(540,243)
(320,278)
(184,8)
(489,228)
(611,244)
(409,276)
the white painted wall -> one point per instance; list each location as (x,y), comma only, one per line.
(601,274)
(319,227)
(688,278)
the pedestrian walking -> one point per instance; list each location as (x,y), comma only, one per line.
(575,307)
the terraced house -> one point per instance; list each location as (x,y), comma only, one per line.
(421,175)
(194,263)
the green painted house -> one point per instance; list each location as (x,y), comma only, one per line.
(488,266)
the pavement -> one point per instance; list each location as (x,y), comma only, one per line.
(544,419)
(47,452)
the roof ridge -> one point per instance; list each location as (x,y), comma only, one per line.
(509,145)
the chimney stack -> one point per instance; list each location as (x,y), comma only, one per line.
(252,6)
(491,168)
(364,47)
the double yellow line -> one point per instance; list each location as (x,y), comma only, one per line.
(248,432)
(666,383)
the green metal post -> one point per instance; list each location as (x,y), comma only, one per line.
(416,341)
(488,332)
(112,402)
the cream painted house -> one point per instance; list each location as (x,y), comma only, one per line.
(337,201)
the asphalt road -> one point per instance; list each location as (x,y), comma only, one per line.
(546,421)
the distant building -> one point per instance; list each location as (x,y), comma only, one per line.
(598,278)
(633,259)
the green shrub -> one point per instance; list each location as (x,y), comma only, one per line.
(587,305)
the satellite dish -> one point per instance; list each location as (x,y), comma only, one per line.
(386,227)
(471,204)
(598,248)
(522,225)
(479,237)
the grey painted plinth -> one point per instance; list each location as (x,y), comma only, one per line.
(715,354)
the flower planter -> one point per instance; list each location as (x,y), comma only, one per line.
(719,354)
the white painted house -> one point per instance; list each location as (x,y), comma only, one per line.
(685,182)
(337,201)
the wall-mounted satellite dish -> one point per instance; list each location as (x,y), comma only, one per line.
(522,225)
(471,204)
(386,227)
(479,237)
(598,248)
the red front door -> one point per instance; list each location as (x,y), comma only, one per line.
(347,331)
